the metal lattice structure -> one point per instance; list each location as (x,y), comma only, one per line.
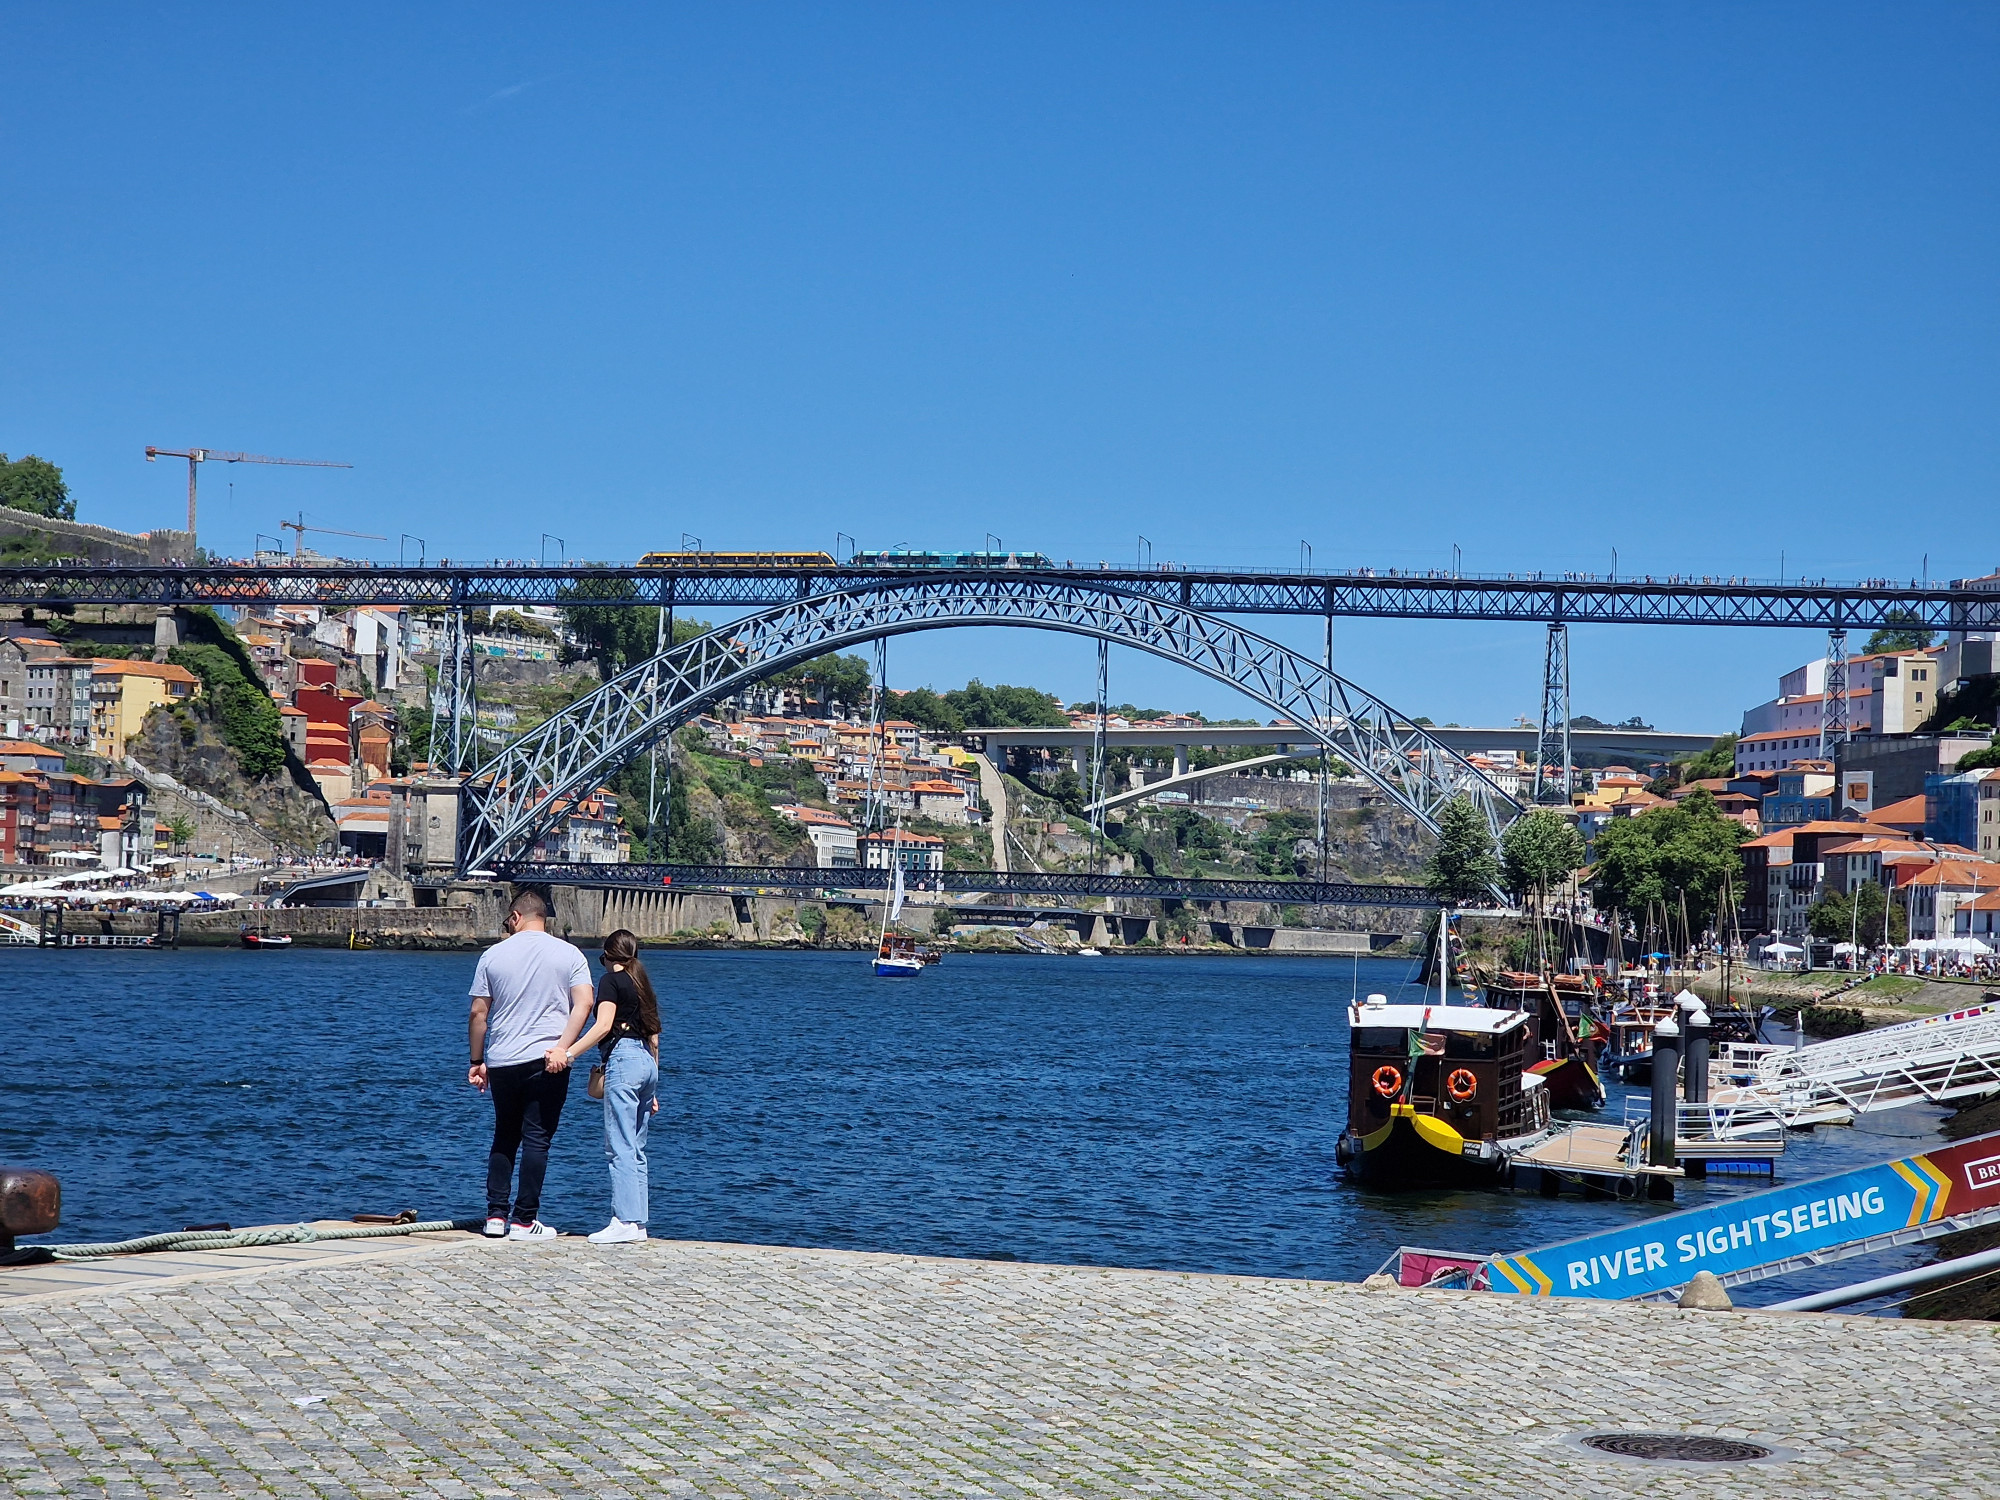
(1067,885)
(1552,744)
(1834,728)
(1436,595)
(542,773)
(455,700)
(1934,1060)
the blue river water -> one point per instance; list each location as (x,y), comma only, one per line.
(1177,1113)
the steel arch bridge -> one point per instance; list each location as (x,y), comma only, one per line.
(541,774)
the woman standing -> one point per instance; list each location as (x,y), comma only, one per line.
(626,1032)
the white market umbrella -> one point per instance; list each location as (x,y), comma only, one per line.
(1783,948)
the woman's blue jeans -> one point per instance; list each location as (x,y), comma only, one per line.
(631,1080)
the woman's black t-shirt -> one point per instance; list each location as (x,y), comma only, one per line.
(636,1017)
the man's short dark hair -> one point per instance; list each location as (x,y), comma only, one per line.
(530,906)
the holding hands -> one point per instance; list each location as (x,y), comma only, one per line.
(556,1059)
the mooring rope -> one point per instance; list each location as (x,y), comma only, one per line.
(245,1239)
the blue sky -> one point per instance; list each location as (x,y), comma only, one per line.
(1703,283)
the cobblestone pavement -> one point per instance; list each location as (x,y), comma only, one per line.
(682,1369)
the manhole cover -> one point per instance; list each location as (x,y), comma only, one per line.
(1676,1447)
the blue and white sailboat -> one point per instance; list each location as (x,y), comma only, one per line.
(898,956)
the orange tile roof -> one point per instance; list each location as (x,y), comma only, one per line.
(165,671)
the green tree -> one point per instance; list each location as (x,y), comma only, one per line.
(616,636)
(830,679)
(927,709)
(241,708)
(1538,851)
(1688,850)
(1463,866)
(181,831)
(1838,914)
(1905,633)
(1979,760)
(35,485)
(1005,707)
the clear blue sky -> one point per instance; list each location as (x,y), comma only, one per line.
(1701,283)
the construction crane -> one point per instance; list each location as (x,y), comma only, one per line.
(299,529)
(196,456)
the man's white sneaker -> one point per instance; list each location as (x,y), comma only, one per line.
(535,1231)
(496,1229)
(618,1232)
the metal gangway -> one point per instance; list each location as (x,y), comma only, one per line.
(14,930)
(1934,1060)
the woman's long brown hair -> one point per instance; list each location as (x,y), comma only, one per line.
(623,948)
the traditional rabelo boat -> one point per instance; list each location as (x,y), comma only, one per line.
(1566,1028)
(1438,1094)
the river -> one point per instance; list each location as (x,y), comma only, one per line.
(1177,1113)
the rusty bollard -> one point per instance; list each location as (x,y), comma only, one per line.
(30,1203)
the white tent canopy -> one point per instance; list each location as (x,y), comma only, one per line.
(1966,945)
(1783,948)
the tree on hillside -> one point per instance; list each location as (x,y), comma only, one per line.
(1839,915)
(36,485)
(240,707)
(1463,866)
(1539,851)
(1979,760)
(926,709)
(616,636)
(1688,850)
(1905,634)
(1005,707)
(830,679)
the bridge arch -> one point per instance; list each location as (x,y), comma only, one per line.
(517,793)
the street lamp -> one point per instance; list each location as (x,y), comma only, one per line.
(408,537)
(562,550)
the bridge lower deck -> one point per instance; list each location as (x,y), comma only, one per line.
(688,1369)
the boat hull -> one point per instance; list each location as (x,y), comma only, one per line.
(898,968)
(1416,1151)
(1571,1083)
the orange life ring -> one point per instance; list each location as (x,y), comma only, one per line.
(1461,1085)
(1388,1081)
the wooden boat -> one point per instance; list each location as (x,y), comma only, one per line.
(1438,1095)
(1566,1029)
(255,939)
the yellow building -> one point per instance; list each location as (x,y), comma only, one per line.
(122,693)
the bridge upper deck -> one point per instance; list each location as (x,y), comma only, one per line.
(1574,597)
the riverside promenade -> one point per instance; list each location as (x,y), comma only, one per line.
(463,1368)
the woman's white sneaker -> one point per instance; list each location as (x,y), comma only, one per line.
(496,1229)
(618,1232)
(535,1231)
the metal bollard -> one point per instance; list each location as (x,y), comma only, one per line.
(1666,1078)
(30,1203)
(1695,1050)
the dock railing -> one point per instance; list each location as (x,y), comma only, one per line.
(1716,1132)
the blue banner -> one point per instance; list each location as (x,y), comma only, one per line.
(1745,1233)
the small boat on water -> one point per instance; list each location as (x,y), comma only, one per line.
(255,939)
(1438,1095)
(899,957)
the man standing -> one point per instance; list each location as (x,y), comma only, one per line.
(531,993)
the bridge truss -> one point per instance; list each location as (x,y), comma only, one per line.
(1576,599)
(1030,883)
(542,774)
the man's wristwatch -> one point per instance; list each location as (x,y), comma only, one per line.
(477,1062)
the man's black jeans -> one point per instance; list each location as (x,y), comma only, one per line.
(527,1104)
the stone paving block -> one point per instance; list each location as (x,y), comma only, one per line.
(716,1370)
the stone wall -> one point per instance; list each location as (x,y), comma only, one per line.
(101,544)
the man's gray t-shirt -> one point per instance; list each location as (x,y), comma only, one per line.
(527,980)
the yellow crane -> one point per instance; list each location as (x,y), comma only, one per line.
(196,456)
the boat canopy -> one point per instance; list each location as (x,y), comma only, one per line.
(1469,1018)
